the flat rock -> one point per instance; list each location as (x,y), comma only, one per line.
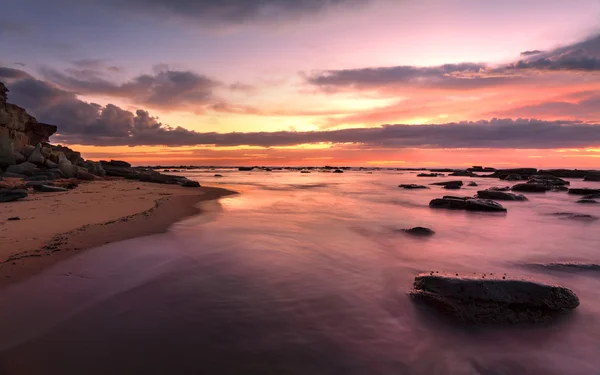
(532,188)
(500,195)
(584,191)
(430,175)
(472,183)
(488,299)
(591,196)
(218,175)
(413,186)
(446,183)
(49,189)
(419,231)
(33,184)
(13,175)
(467,203)
(513,177)
(587,201)
(11,195)
(115,163)
(452,187)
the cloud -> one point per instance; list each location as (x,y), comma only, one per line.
(531,53)
(233,11)
(164,88)
(9,74)
(586,105)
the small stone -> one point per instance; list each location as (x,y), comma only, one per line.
(14,218)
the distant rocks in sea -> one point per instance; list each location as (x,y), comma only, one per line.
(575,216)
(472,183)
(531,188)
(492,299)
(500,195)
(592,177)
(419,231)
(584,191)
(448,183)
(218,175)
(587,201)
(338,171)
(467,203)
(430,175)
(413,186)
(566,267)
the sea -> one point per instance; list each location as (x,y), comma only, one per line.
(309,273)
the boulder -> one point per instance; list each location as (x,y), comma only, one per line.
(338,171)
(36,156)
(412,186)
(11,195)
(51,164)
(587,201)
(472,183)
(452,187)
(246,169)
(584,191)
(49,189)
(591,196)
(115,163)
(548,180)
(512,177)
(532,188)
(467,203)
(27,150)
(82,174)
(25,168)
(218,175)
(462,174)
(13,175)
(39,177)
(419,231)
(33,184)
(488,299)
(500,195)
(7,156)
(189,183)
(567,173)
(447,183)
(503,173)
(65,166)
(46,151)
(592,177)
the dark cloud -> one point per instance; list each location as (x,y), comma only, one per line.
(574,60)
(8,74)
(586,105)
(531,53)
(232,11)
(164,88)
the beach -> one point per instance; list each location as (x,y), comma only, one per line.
(54,226)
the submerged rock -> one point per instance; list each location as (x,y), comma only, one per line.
(11,195)
(413,186)
(467,203)
(472,183)
(587,201)
(447,183)
(419,231)
(584,191)
(487,299)
(575,216)
(218,175)
(591,196)
(592,177)
(500,195)
(566,267)
(532,188)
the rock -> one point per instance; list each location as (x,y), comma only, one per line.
(27,150)
(82,174)
(531,188)
(95,168)
(447,183)
(412,186)
(39,177)
(500,195)
(33,184)
(496,188)
(14,218)
(189,183)
(592,177)
(36,156)
(568,173)
(567,267)
(159,178)
(218,175)
(419,231)
(304,171)
(479,168)
(467,203)
(23,168)
(462,174)
(575,216)
(430,175)
(587,201)
(11,195)
(65,166)
(48,189)
(472,183)
(584,191)
(503,173)
(245,168)
(591,196)
(51,164)
(487,299)
(46,151)
(19,158)
(452,187)
(7,156)
(115,163)
(338,171)
(13,175)
(47,174)
(548,180)
(512,177)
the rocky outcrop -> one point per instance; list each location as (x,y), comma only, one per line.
(524,172)
(568,173)
(587,201)
(489,299)
(189,183)
(500,195)
(467,203)
(592,177)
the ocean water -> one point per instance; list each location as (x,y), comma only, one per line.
(307,274)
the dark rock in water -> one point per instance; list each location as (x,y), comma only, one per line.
(467,203)
(268,170)
(512,177)
(591,196)
(472,184)
(503,173)
(338,171)
(14,218)
(575,216)
(592,177)
(479,168)
(159,178)
(430,175)
(218,175)
(48,189)
(568,173)
(419,231)
(485,299)
(452,187)
(584,191)
(446,183)
(412,186)
(304,171)
(115,164)
(531,188)
(587,201)
(189,183)
(245,168)
(547,179)
(462,174)
(11,195)
(496,188)
(500,195)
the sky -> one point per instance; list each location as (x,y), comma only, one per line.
(399,83)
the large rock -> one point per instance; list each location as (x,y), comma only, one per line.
(412,186)
(36,156)
(65,166)
(500,195)
(73,156)
(447,183)
(430,175)
(584,191)
(568,173)
(592,177)
(591,196)
(419,231)
(159,178)
(189,183)
(524,172)
(485,299)
(512,177)
(24,168)
(532,188)
(548,180)
(7,156)
(467,203)
(11,195)
(587,201)
(82,174)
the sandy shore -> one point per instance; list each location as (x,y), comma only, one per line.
(53,225)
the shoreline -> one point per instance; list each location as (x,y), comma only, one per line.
(157,207)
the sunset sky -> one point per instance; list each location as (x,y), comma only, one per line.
(311,82)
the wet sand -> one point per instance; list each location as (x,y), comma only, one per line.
(53,226)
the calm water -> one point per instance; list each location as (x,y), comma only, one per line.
(306,274)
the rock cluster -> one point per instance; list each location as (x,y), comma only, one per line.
(467,203)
